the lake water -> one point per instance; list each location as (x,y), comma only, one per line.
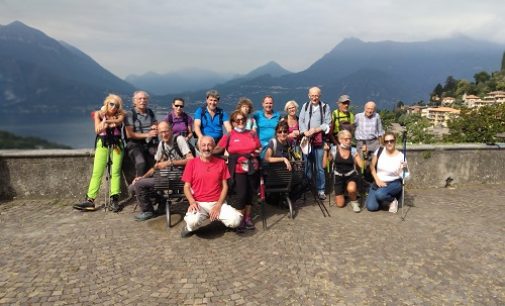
(74,130)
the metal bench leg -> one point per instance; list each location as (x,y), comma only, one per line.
(291,210)
(167,212)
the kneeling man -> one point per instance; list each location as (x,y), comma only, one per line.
(205,186)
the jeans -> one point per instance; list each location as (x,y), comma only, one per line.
(377,195)
(315,156)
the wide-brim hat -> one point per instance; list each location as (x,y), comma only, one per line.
(305,145)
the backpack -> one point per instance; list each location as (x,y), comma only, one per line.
(219,113)
(151,115)
(318,139)
(379,152)
(121,129)
(175,148)
(340,124)
(185,119)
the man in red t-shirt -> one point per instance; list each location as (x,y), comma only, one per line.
(205,187)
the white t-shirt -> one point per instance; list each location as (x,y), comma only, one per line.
(171,151)
(389,166)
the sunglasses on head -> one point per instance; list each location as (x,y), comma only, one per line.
(179,105)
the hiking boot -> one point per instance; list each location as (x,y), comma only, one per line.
(88,205)
(321,195)
(393,207)
(241,228)
(355,206)
(114,204)
(144,216)
(185,233)
(249,225)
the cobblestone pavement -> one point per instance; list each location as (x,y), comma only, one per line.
(449,250)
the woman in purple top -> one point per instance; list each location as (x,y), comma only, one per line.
(180,121)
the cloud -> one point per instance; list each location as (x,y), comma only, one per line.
(239,35)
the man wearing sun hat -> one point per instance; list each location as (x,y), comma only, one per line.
(342,118)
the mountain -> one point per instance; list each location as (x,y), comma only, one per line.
(174,82)
(38,73)
(271,68)
(194,79)
(384,71)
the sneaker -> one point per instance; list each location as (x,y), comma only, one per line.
(185,233)
(88,205)
(146,215)
(321,195)
(249,225)
(114,204)
(355,206)
(393,207)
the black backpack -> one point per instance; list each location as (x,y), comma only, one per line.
(219,112)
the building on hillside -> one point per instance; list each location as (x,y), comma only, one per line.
(447,101)
(439,116)
(490,99)
(471,100)
(415,109)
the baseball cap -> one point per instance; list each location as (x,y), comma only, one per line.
(344,98)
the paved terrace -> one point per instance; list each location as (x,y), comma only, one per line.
(449,250)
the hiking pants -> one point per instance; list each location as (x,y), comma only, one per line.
(100,166)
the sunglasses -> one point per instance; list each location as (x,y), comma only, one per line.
(389,141)
(179,105)
(111,104)
(282,132)
(239,120)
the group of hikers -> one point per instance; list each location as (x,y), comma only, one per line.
(219,153)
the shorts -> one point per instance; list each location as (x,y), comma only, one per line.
(342,181)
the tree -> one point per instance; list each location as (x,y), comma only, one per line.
(450,86)
(478,125)
(481,77)
(437,91)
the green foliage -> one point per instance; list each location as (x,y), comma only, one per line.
(478,125)
(417,126)
(12,141)
(481,77)
(418,129)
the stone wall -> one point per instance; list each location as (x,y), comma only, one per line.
(66,173)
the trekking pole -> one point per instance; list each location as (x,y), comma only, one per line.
(319,202)
(404,139)
(107,178)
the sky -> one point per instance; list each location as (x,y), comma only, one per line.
(236,36)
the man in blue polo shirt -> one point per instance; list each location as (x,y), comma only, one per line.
(266,120)
(209,119)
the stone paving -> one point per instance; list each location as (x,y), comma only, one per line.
(449,250)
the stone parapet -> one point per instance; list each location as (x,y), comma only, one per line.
(32,173)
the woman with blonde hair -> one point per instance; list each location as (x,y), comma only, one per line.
(108,121)
(346,161)
(291,108)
